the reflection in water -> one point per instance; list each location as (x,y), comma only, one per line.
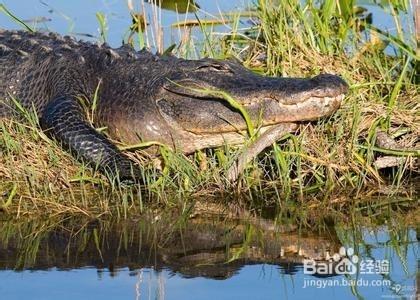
(203,247)
(169,253)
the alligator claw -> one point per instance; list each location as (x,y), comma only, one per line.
(124,172)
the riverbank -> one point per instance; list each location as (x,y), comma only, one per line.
(333,164)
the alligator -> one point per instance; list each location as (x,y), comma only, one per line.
(74,86)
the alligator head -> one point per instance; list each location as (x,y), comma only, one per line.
(187,101)
(190,114)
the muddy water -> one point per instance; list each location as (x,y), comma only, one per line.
(203,259)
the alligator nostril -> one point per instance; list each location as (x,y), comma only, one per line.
(331,82)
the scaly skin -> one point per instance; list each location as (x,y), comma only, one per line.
(144,97)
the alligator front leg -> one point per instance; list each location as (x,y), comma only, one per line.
(63,119)
(263,141)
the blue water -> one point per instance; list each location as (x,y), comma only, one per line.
(76,17)
(261,281)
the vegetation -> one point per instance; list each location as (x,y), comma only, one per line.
(331,164)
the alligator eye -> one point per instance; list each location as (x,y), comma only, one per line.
(214,67)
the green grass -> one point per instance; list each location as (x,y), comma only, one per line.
(327,166)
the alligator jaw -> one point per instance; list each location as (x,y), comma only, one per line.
(311,109)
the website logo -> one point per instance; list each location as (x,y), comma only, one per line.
(345,262)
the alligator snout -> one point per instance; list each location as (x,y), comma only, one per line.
(330,85)
(290,91)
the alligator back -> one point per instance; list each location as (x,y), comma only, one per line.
(49,74)
(35,66)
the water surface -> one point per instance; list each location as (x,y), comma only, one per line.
(79,17)
(201,259)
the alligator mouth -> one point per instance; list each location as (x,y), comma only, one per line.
(312,108)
